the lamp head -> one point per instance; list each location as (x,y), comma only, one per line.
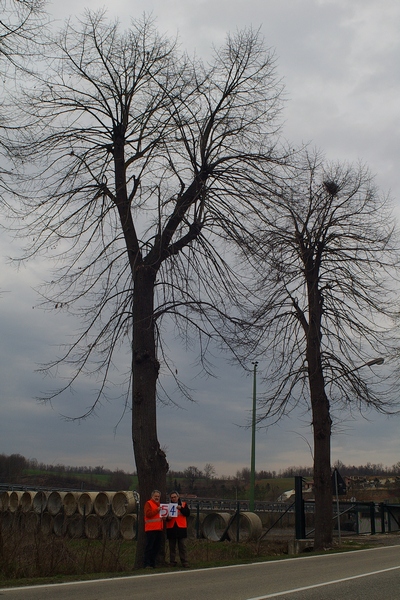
(375,361)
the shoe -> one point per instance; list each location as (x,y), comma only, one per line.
(173,564)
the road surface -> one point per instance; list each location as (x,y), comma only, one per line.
(372,574)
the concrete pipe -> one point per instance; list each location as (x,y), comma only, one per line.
(102,503)
(60,524)
(7,522)
(123,503)
(39,503)
(214,525)
(75,527)
(4,501)
(70,503)
(128,526)
(111,527)
(55,502)
(26,501)
(30,522)
(192,524)
(86,502)
(93,527)
(14,501)
(46,523)
(250,527)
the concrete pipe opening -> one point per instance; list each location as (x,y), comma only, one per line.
(250,527)
(86,502)
(123,503)
(39,502)
(102,503)
(26,501)
(128,527)
(214,525)
(7,522)
(14,501)
(111,527)
(70,503)
(30,522)
(46,523)
(193,526)
(55,502)
(4,501)
(60,525)
(75,527)
(93,527)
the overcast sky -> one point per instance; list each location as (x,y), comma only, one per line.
(339,60)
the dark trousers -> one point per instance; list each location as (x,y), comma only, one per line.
(152,547)
(181,542)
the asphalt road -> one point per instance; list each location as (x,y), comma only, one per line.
(372,574)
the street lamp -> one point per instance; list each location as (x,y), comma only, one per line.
(374,361)
(253,440)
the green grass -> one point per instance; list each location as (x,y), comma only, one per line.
(96,478)
(27,559)
(37,559)
(99,480)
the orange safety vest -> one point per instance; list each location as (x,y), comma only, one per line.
(153,522)
(180,520)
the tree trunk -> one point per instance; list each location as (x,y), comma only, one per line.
(321,419)
(322,472)
(151,463)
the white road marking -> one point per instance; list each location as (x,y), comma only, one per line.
(317,585)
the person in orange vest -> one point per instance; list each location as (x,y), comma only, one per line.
(154,528)
(177,531)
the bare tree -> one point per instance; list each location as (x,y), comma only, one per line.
(141,157)
(20,23)
(209,471)
(327,254)
(192,474)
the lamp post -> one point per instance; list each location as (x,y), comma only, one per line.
(253,440)
(374,361)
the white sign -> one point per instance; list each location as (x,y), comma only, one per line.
(169,510)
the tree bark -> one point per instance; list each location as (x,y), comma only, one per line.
(322,472)
(150,459)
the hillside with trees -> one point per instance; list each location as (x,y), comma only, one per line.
(367,482)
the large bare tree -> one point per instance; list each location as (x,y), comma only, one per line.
(21,22)
(137,158)
(326,250)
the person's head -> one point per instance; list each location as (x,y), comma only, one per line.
(174,496)
(156,495)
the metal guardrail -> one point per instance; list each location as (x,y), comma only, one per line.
(232,505)
(17,487)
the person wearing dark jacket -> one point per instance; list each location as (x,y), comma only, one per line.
(177,531)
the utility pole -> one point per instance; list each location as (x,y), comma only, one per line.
(253,440)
